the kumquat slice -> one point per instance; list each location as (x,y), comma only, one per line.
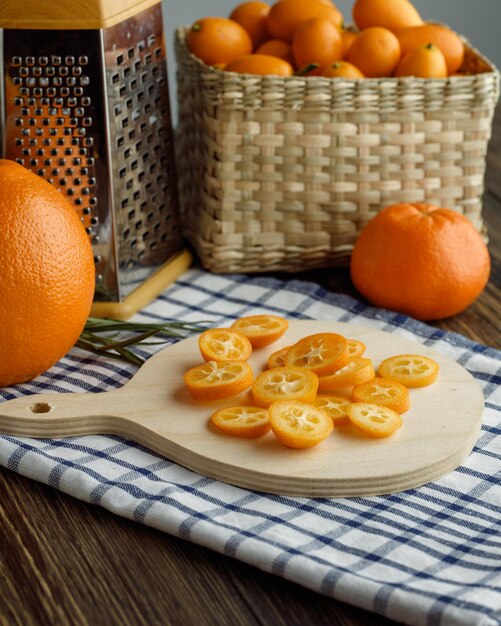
(373,420)
(277,359)
(224,344)
(298,424)
(384,392)
(335,407)
(355,372)
(284,383)
(355,348)
(412,370)
(323,353)
(247,422)
(213,381)
(261,330)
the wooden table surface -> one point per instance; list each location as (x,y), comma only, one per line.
(66,562)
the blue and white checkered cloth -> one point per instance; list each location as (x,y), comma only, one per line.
(430,556)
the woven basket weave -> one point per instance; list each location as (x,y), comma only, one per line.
(283,173)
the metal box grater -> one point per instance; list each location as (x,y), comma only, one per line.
(86,106)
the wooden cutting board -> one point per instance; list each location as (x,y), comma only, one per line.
(155,409)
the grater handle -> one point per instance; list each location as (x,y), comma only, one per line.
(69,14)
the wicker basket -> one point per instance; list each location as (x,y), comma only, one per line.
(283,173)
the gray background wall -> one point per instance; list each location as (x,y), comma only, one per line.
(479,21)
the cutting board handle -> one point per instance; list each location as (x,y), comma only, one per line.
(62,414)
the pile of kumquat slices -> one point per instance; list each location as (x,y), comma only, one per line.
(299,396)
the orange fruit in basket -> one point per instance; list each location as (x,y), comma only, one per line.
(253,16)
(286,15)
(423,62)
(299,425)
(214,381)
(384,392)
(317,41)
(224,344)
(47,275)
(260,64)
(348,37)
(217,40)
(277,48)
(391,14)
(342,69)
(421,260)
(444,38)
(376,52)
(261,330)
(411,370)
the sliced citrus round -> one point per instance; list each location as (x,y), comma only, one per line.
(224,344)
(355,372)
(323,353)
(247,422)
(277,359)
(374,420)
(213,381)
(298,424)
(284,383)
(335,407)
(355,348)
(261,330)
(412,370)
(384,392)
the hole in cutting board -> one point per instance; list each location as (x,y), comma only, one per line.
(41,407)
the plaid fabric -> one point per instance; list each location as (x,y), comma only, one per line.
(429,556)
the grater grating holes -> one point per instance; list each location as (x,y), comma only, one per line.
(52,110)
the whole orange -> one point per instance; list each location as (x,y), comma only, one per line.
(286,15)
(47,278)
(277,48)
(252,16)
(427,262)
(342,69)
(444,38)
(260,64)
(317,41)
(218,40)
(348,37)
(376,52)
(391,14)
(423,62)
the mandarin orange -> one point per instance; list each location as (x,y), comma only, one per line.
(277,48)
(253,16)
(423,62)
(444,38)
(217,40)
(391,14)
(317,41)
(418,259)
(286,15)
(342,69)
(376,52)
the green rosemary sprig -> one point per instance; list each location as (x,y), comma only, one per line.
(104,336)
